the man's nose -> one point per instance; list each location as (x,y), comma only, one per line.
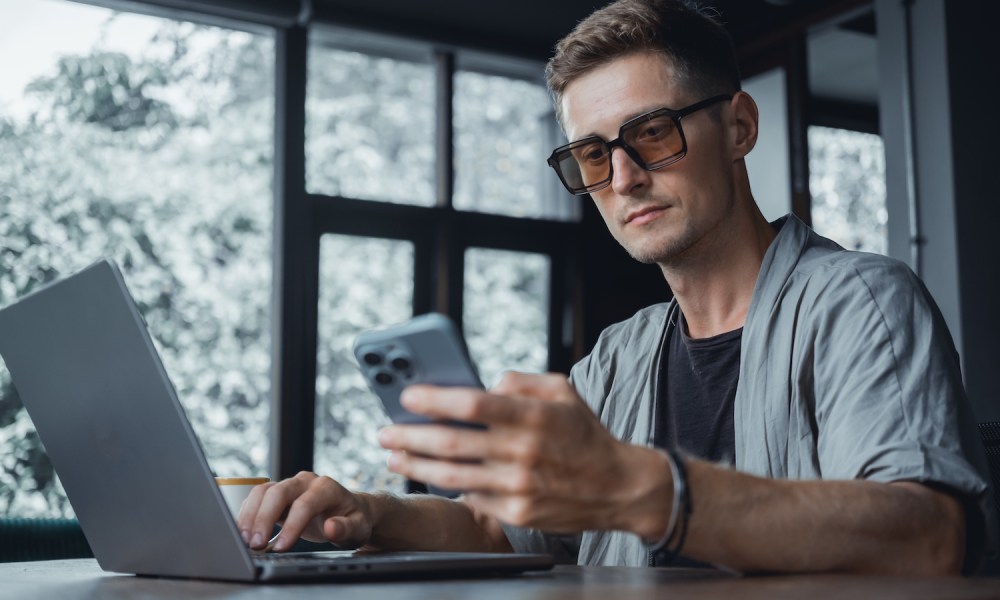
(627,175)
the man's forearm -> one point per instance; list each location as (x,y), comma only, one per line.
(756,524)
(423,522)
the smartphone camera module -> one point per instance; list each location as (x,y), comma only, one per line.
(401,364)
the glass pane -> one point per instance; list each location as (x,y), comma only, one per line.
(150,141)
(364,283)
(506,311)
(504,131)
(847,184)
(369,127)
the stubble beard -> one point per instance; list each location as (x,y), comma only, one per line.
(661,251)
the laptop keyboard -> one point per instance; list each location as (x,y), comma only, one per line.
(302,557)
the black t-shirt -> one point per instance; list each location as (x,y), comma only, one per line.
(695,407)
(696,404)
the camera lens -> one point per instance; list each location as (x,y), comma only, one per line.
(383,378)
(372,358)
(400,363)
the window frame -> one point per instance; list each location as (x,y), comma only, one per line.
(440,235)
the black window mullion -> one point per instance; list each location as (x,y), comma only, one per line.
(445,128)
(561,311)
(797,97)
(423,274)
(448,274)
(296,269)
(454,258)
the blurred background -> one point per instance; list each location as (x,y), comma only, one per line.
(276,176)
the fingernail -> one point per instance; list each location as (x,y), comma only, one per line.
(384,437)
(258,539)
(246,536)
(280,544)
(393,461)
(406,397)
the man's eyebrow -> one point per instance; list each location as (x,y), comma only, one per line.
(587,137)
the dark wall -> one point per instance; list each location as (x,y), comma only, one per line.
(974,73)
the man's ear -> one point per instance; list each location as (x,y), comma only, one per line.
(743,125)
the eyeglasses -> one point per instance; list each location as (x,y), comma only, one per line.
(653,140)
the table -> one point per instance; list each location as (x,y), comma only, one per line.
(82,578)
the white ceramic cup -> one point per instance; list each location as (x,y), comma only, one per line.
(236,489)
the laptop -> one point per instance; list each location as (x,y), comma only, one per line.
(86,369)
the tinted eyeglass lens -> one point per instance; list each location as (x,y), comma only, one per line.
(589,163)
(656,139)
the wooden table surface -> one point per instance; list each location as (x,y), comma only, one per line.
(69,579)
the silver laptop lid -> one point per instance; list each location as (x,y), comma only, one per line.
(88,374)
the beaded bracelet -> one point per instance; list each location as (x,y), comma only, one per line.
(680,485)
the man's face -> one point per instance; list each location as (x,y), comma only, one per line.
(656,216)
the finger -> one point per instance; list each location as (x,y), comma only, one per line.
(498,478)
(275,502)
(249,509)
(439,441)
(543,394)
(546,386)
(460,404)
(321,496)
(346,531)
(496,444)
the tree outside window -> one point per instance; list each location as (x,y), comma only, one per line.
(158,155)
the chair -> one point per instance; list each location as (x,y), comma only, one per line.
(41,539)
(990,433)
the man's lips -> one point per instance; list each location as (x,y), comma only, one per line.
(644,215)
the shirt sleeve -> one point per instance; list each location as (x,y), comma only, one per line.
(564,549)
(896,408)
(891,410)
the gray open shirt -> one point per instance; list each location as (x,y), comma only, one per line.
(847,371)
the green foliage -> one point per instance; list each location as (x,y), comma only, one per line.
(165,166)
(370,127)
(847,185)
(106,89)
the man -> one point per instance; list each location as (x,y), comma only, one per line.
(846,445)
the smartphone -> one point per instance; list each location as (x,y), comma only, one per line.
(426,349)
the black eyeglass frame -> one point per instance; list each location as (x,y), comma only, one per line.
(675,116)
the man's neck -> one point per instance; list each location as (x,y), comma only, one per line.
(714,285)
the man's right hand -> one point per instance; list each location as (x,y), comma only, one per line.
(309,506)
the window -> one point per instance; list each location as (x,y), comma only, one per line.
(847,184)
(502,137)
(364,283)
(370,127)
(506,311)
(152,140)
(148,140)
(407,228)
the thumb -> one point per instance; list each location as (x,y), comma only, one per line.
(346,532)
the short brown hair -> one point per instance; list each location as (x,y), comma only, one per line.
(698,46)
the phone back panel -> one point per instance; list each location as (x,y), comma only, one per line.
(426,349)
